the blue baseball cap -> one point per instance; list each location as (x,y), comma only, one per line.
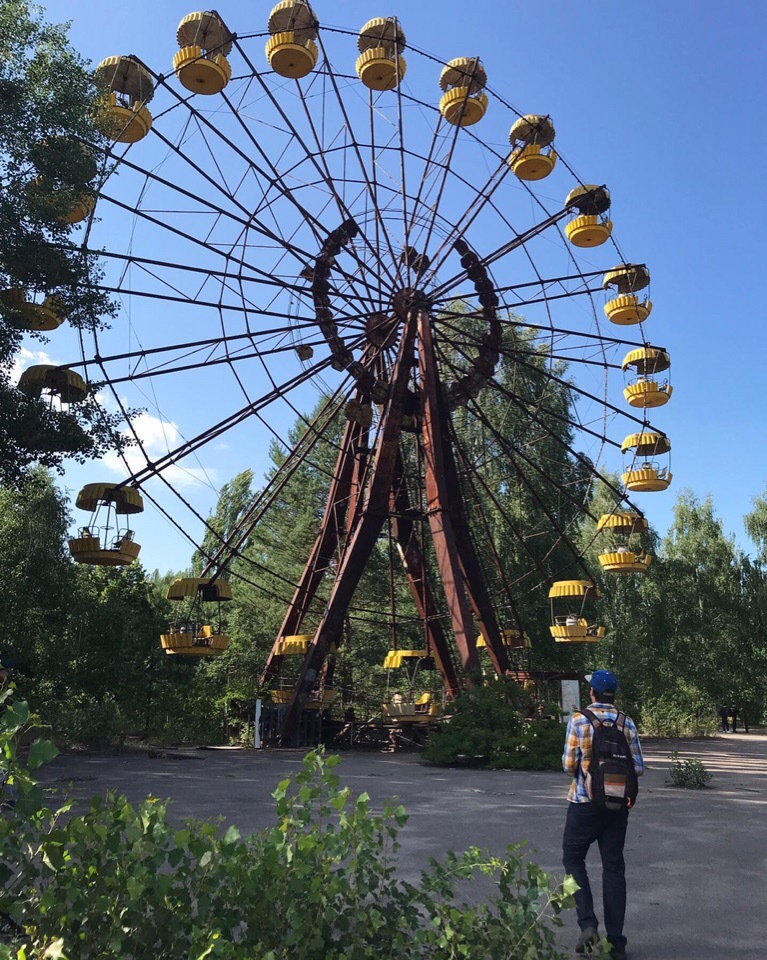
(602,681)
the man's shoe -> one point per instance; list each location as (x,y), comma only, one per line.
(618,953)
(588,940)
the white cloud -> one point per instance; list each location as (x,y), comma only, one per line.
(157,438)
(27,358)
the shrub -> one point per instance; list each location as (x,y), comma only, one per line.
(487,728)
(322,884)
(85,721)
(689,773)
(665,719)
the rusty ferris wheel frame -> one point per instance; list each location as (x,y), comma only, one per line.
(367,270)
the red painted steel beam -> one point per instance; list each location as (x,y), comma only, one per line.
(415,571)
(473,573)
(361,541)
(438,503)
(324,546)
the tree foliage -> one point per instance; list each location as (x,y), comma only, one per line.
(121,881)
(49,144)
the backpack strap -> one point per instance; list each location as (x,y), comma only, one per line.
(592,718)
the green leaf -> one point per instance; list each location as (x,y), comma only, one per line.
(41,751)
(569,885)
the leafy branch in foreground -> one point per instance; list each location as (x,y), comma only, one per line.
(323,883)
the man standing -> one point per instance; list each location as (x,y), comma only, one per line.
(589,821)
(724,715)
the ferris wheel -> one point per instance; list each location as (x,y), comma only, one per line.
(317,226)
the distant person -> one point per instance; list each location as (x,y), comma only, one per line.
(589,817)
(724,715)
(734,715)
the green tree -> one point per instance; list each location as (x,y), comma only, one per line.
(49,142)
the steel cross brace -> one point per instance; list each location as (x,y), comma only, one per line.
(415,570)
(462,576)
(372,515)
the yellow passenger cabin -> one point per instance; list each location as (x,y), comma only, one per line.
(645,390)
(106,541)
(590,226)
(60,383)
(380,65)
(130,87)
(569,624)
(648,475)
(205,41)
(190,633)
(623,283)
(291,49)
(532,156)
(464,101)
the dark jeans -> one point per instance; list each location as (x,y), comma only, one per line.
(586,823)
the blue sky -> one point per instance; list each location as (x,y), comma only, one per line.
(665,103)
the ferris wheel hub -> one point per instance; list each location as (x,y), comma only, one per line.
(409,300)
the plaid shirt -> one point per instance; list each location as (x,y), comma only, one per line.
(578,748)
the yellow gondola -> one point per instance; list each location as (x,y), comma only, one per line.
(60,382)
(464,101)
(66,166)
(645,391)
(188,634)
(397,658)
(573,626)
(623,558)
(625,308)
(27,315)
(406,708)
(205,41)
(291,50)
(509,638)
(590,227)
(529,137)
(648,476)
(294,646)
(379,65)
(96,544)
(131,87)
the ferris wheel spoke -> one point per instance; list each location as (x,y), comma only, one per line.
(515,321)
(307,322)
(516,352)
(356,151)
(525,404)
(482,198)
(274,179)
(244,222)
(474,476)
(539,284)
(191,238)
(515,455)
(309,153)
(285,471)
(213,432)
(370,187)
(514,355)
(519,240)
(203,364)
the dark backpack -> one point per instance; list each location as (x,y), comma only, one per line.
(611,780)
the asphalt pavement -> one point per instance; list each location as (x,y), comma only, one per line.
(696,859)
